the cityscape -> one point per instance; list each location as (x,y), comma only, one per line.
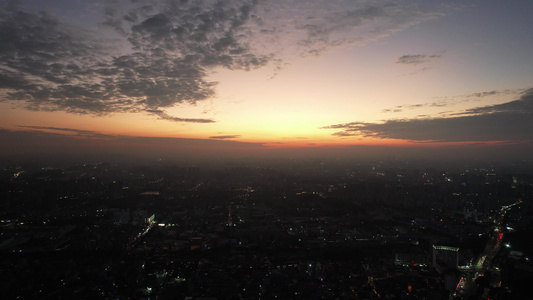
(266,149)
(275,229)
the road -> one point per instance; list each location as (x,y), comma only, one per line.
(484,262)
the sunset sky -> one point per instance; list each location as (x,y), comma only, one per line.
(265,74)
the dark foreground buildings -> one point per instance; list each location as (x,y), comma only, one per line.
(305,230)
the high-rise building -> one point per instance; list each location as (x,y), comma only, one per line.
(445,257)
(230,217)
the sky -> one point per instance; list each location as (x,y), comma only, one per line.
(225,76)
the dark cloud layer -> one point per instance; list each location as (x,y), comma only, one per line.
(71,142)
(64,145)
(50,65)
(63,130)
(511,121)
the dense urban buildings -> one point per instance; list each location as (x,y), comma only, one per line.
(278,229)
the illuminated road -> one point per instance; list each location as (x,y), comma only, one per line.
(135,240)
(467,285)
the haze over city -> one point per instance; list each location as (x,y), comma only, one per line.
(446,79)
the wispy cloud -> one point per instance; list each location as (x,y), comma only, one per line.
(63,130)
(452,101)
(162,115)
(509,121)
(423,62)
(416,59)
(479,95)
(224,137)
(318,26)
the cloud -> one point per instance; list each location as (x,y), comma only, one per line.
(63,130)
(416,59)
(224,137)
(478,95)
(295,138)
(164,57)
(452,101)
(152,55)
(411,59)
(162,115)
(40,140)
(524,105)
(509,121)
(311,28)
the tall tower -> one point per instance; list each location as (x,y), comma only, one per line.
(230,218)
